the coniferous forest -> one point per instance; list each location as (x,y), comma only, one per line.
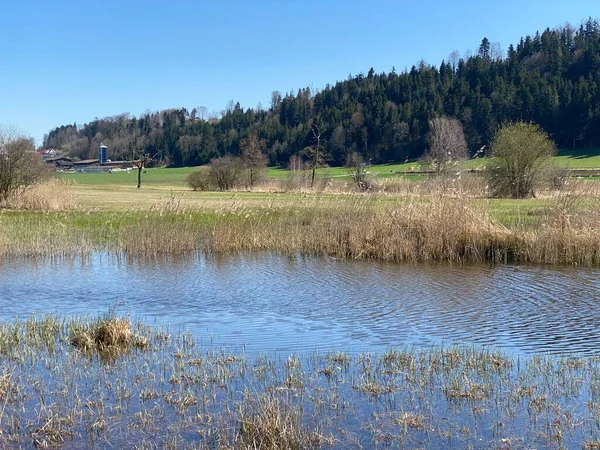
(551,78)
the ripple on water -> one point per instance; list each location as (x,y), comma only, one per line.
(276,303)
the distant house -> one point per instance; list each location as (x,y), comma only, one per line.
(94,165)
(86,165)
(48,153)
(60,163)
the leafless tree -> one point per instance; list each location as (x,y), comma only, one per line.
(495,51)
(20,165)
(202,112)
(225,172)
(357,169)
(446,143)
(140,164)
(253,156)
(316,152)
(453,59)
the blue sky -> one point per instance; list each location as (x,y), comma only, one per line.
(71,61)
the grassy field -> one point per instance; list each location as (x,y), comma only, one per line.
(155,221)
(154,176)
(177,176)
(580,159)
(435,219)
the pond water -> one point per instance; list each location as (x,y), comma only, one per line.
(270,303)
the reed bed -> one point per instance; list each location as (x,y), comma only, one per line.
(174,393)
(52,195)
(438,227)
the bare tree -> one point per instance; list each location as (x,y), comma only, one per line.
(253,156)
(447,143)
(140,164)
(225,172)
(357,169)
(202,112)
(20,165)
(316,152)
(495,51)
(453,59)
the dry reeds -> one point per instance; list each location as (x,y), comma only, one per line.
(272,423)
(437,229)
(442,226)
(52,195)
(107,335)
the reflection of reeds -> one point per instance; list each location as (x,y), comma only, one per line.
(430,228)
(178,394)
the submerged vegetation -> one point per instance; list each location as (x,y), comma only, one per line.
(173,393)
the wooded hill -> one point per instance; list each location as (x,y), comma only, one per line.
(551,78)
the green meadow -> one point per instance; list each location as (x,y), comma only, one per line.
(568,159)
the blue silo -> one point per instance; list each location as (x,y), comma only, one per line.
(102,153)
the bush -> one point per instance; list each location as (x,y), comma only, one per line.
(357,169)
(199,180)
(521,161)
(226,172)
(20,165)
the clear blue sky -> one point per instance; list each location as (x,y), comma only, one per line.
(71,61)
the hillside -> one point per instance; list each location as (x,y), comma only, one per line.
(551,78)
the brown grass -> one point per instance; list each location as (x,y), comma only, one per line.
(52,195)
(435,229)
(272,423)
(107,335)
(441,225)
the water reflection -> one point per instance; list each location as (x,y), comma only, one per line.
(297,304)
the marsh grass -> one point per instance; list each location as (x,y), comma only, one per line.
(441,225)
(52,195)
(108,336)
(272,422)
(175,393)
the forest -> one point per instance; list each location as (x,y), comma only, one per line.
(551,78)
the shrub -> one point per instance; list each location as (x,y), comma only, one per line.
(225,172)
(521,160)
(199,180)
(20,166)
(357,169)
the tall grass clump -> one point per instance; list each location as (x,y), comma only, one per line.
(165,230)
(53,234)
(51,195)
(272,422)
(105,335)
(438,229)
(569,233)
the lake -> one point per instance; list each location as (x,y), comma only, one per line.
(270,303)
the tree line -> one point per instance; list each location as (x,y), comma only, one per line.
(551,79)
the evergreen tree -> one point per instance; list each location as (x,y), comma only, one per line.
(552,79)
